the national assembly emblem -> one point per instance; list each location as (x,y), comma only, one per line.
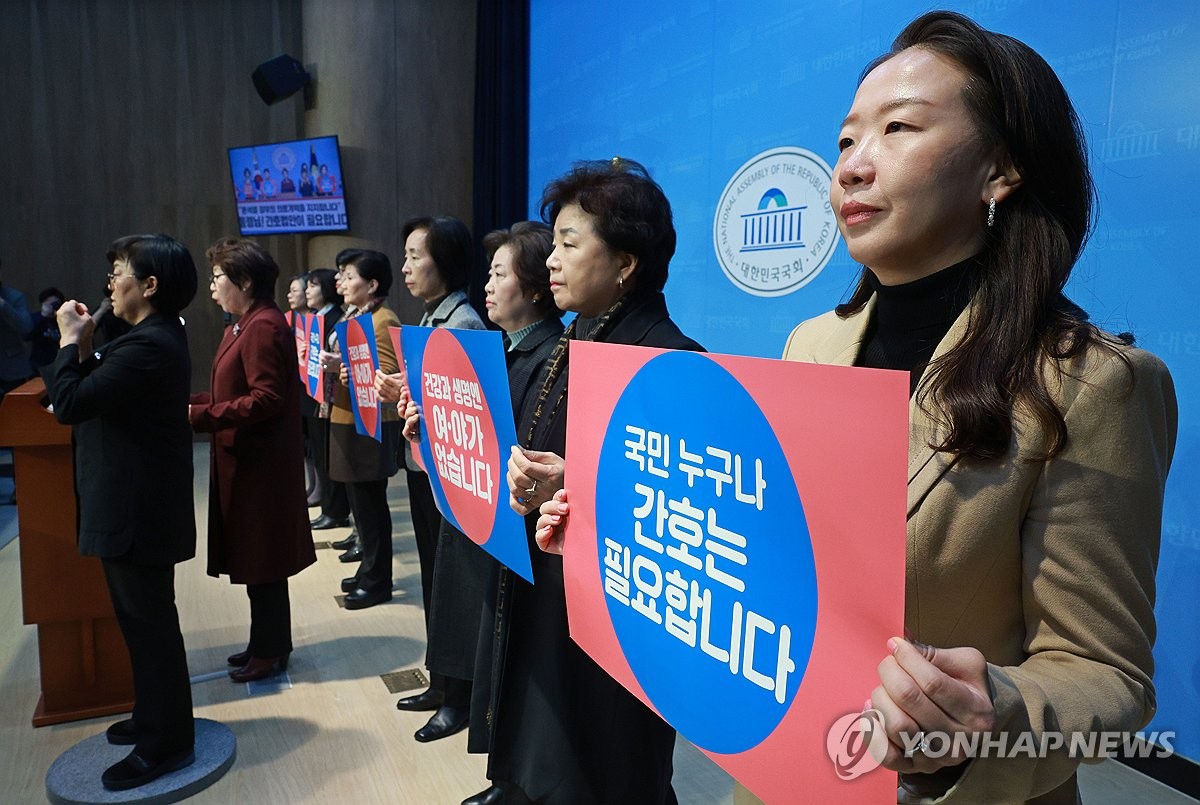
(774,228)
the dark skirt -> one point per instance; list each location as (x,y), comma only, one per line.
(354,457)
(461,574)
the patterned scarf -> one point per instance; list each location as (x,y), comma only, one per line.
(557,364)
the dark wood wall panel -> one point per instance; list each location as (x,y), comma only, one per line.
(118,113)
(395,82)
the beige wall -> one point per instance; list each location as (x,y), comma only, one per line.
(117,116)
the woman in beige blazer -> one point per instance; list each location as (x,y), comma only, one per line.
(1039,445)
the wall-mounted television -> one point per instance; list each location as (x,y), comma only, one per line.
(288,187)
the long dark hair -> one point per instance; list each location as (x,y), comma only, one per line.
(1020,318)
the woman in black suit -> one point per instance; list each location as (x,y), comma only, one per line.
(127,403)
(562,729)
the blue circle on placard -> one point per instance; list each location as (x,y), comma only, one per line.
(697,404)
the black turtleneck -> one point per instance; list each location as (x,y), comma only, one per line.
(911,319)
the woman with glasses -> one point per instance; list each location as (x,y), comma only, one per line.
(258,531)
(127,405)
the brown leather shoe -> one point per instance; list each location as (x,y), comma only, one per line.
(259,668)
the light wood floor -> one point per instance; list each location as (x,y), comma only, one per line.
(335,735)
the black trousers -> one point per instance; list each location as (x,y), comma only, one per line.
(143,597)
(427,522)
(335,503)
(270,620)
(455,692)
(373,520)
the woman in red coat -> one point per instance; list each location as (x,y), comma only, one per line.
(258,532)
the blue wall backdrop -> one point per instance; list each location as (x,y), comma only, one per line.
(695,90)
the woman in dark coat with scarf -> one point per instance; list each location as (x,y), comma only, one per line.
(464,576)
(258,532)
(562,729)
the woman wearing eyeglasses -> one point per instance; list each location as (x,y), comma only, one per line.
(258,532)
(127,405)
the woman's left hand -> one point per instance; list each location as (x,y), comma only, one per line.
(390,388)
(533,478)
(412,421)
(926,690)
(551,524)
(331,362)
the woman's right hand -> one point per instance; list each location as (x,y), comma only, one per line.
(941,691)
(75,326)
(552,523)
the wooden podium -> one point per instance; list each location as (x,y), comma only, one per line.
(84,663)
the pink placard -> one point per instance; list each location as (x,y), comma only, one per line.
(806,465)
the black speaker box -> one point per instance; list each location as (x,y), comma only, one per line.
(279,78)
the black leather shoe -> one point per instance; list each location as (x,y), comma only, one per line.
(427,700)
(444,723)
(361,599)
(345,544)
(492,796)
(136,770)
(239,659)
(350,584)
(352,555)
(123,733)
(325,521)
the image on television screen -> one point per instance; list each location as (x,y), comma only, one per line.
(282,188)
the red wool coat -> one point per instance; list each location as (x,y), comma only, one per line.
(258,529)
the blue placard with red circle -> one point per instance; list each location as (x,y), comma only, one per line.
(360,356)
(300,324)
(316,343)
(459,381)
